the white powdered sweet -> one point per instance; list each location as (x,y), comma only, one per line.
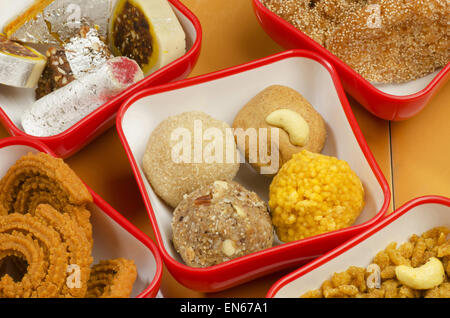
(61,109)
(86,52)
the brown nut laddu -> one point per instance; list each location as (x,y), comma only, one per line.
(220,222)
(255,114)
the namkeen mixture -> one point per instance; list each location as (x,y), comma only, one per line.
(417,268)
(386,41)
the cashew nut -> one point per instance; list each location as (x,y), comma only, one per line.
(228,247)
(293,123)
(427,276)
(240,211)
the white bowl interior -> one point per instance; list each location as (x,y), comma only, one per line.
(407,88)
(110,239)
(416,221)
(223,98)
(14,101)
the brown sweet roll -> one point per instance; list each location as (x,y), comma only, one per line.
(112,279)
(81,55)
(147,31)
(43,250)
(57,72)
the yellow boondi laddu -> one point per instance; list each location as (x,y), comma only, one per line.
(313,194)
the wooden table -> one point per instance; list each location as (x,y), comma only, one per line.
(414,155)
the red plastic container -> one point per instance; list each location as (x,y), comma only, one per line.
(73,139)
(113,235)
(222,94)
(415,217)
(393,102)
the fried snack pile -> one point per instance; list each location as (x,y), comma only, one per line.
(46,234)
(313,194)
(417,252)
(386,41)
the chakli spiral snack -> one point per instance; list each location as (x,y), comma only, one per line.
(41,247)
(112,279)
(46,236)
(78,246)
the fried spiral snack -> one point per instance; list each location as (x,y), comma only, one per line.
(46,236)
(36,174)
(112,279)
(41,247)
(40,178)
(78,246)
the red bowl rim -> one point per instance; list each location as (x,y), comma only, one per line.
(355,241)
(152,289)
(128,92)
(228,72)
(259,7)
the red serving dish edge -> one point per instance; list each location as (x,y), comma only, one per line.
(246,268)
(383,105)
(355,241)
(79,135)
(152,289)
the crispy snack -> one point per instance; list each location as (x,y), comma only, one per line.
(39,173)
(386,41)
(41,247)
(46,236)
(78,246)
(40,178)
(112,279)
(415,253)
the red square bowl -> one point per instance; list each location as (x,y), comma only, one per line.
(13,101)
(387,101)
(415,217)
(113,235)
(222,95)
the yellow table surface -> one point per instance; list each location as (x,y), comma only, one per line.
(414,155)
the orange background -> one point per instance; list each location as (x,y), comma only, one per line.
(413,155)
